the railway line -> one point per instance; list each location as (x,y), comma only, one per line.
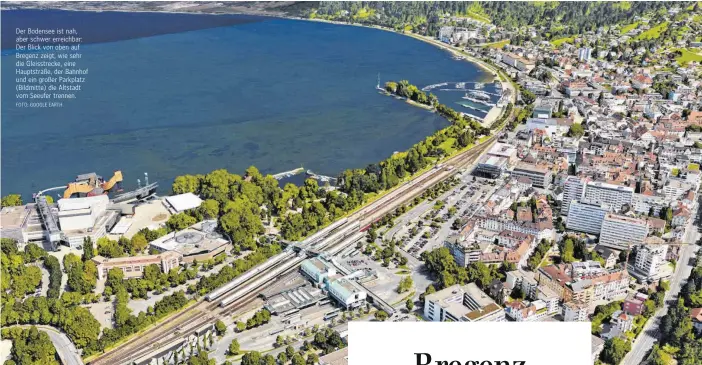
(241,291)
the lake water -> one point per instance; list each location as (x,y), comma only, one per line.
(173,94)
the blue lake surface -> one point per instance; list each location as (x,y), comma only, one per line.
(173,94)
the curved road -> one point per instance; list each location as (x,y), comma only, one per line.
(64,347)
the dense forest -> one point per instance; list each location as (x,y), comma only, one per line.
(561,18)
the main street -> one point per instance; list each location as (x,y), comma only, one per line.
(643,344)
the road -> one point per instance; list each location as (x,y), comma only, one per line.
(643,344)
(64,347)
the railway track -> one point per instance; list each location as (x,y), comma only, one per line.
(203,312)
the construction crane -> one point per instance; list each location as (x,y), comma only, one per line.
(92,184)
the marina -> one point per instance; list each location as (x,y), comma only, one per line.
(478,101)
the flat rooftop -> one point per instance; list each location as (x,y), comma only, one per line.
(198,238)
(452,300)
(502,149)
(14,217)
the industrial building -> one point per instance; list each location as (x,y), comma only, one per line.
(466,303)
(200,242)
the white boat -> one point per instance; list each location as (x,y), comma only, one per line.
(479,85)
(480,95)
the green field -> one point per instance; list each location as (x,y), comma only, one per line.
(688,56)
(654,32)
(447,145)
(628,28)
(559,41)
(497,45)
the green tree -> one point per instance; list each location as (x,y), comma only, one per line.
(220,327)
(576,130)
(381,315)
(187,184)
(290,351)
(312,359)
(297,359)
(282,358)
(409,304)
(614,350)
(251,358)
(405,284)
(234,347)
(240,326)
(12,200)
(138,243)
(179,222)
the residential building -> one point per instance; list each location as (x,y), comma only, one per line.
(650,259)
(634,304)
(465,303)
(609,255)
(540,177)
(575,312)
(525,311)
(584,54)
(621,232)
(616,196)
(696,316)
(338,357)
(619,324)
(524,280)
(584,281)
(586,217)
(573,189)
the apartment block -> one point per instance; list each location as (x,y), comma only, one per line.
(649,259)
(586,217)
(465,303)
(539,176)
(621,232)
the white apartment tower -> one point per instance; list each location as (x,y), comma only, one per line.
(615,196)
(621,232)
(586,217)
(572,190)
(650,258)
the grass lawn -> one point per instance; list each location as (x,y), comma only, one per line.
(628,28)
(497,45)
(654,32)
(688,56)
(447,145)
(559,41)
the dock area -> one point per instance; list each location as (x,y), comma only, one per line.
(284,174)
